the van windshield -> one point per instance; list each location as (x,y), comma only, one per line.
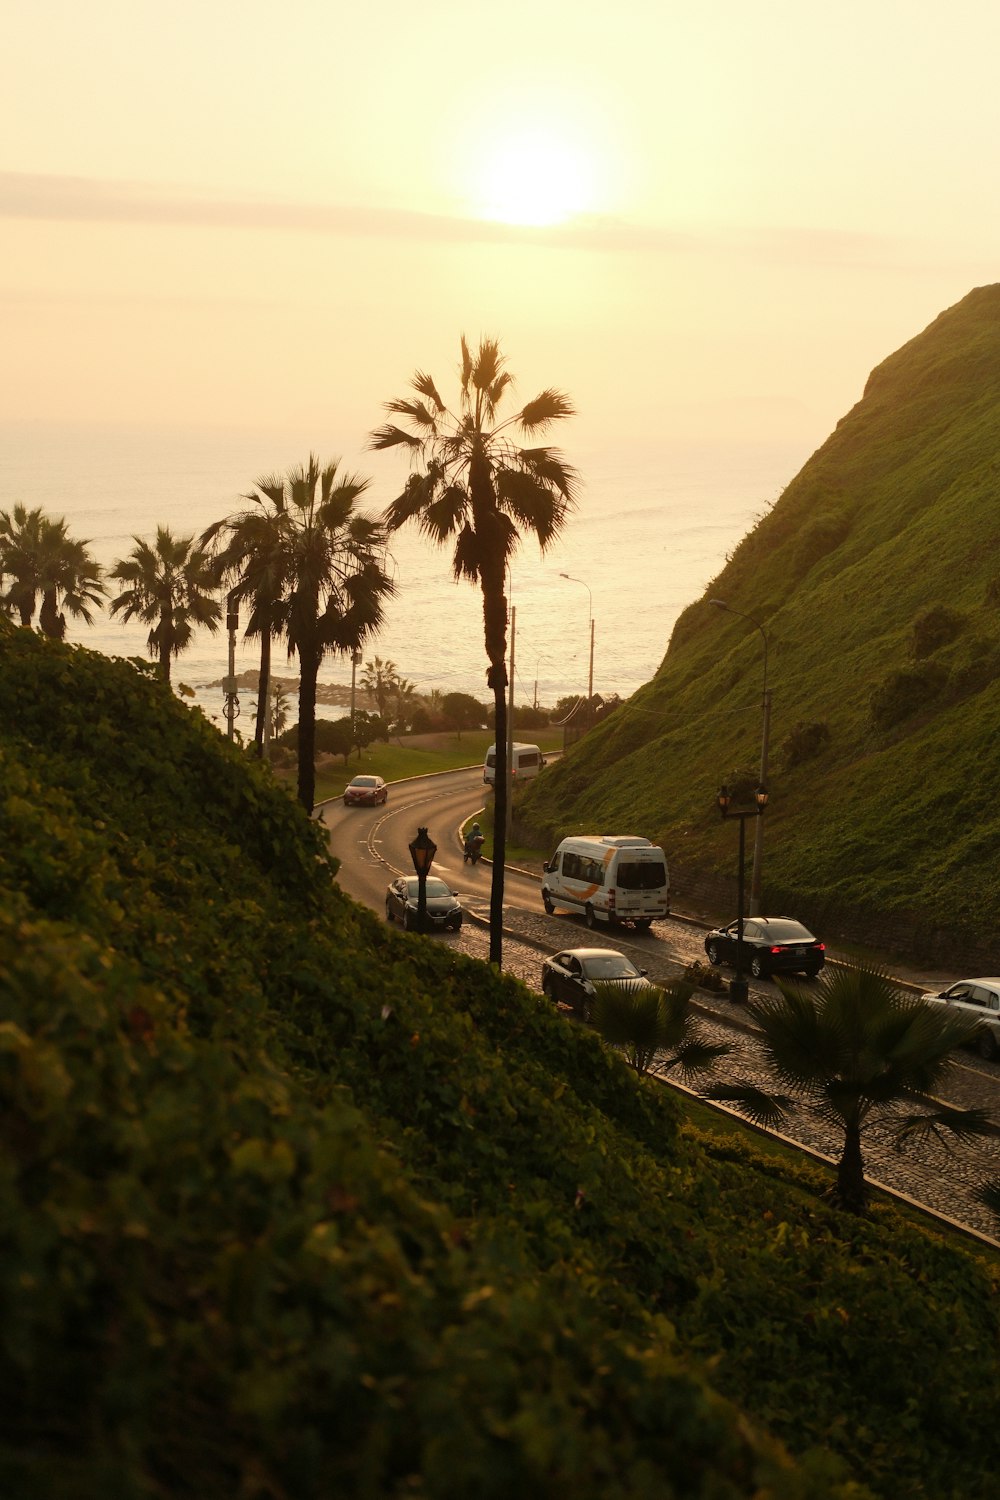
(650,875)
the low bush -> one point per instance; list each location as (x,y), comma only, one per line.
(803,743)
(934,628)
(905,692)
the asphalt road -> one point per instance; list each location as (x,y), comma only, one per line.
(371,844)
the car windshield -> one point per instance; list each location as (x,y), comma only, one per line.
(787,932)
(435,887)
(610,966)
(364,781)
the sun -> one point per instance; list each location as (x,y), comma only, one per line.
(535,178)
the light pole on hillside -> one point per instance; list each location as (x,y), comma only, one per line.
(758,839)
(590,677)
(738,986)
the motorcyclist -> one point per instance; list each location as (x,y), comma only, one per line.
(474,841)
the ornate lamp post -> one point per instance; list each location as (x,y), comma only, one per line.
(738,986)
(422,852)
(758,841)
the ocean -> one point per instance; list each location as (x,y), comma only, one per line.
(651,529)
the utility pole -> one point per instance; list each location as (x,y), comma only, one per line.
(758,836)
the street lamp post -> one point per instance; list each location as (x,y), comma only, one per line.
(758,840)
(738,986)
(230,687)
(590,676)
(422,852)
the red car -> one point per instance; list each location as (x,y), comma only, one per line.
(365,789)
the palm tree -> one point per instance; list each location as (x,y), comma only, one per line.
(44,562)
(330,559)
(474,485)
(644,1023)
(853,1052)
(248,556)
(380,680)
(169,589)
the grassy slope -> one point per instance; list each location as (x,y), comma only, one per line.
(896,512)
(291,1205)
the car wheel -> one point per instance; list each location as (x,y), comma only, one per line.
(456,926)
(408,922)
(643,924)
(547,903)
(548,989)
(758,968)
(811,973)
(589,917)
(713,955)
(388,912)
(986,1044)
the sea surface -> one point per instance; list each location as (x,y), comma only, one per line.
(651,529)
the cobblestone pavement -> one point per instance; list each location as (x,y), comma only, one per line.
(936,1175)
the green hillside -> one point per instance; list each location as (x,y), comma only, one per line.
(293,1206)
(877,578)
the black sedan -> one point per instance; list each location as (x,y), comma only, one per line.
(771,945)
(443,906)
(571,976)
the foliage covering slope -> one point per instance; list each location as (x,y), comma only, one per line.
(294,1206)
(893,519)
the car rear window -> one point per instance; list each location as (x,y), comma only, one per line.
(642,875)
(788,932)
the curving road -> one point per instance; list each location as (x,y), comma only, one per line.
(371,844)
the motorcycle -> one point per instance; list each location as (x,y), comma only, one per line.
(474,848)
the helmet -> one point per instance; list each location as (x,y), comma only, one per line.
(475,828)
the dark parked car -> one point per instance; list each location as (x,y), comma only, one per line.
(365,789)
(771,945)
(571,976)
(443,906)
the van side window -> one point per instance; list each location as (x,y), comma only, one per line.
(571,866)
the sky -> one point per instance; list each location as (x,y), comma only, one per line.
(702,221)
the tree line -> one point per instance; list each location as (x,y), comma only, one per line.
(312,568)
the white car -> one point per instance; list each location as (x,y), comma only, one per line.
(979,998)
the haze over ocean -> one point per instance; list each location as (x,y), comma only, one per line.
(652,528)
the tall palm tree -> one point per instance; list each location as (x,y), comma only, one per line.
(331,561)
(248,556)
(380,680)
(474,485)
(169,588)
(43,562)
(857,1052)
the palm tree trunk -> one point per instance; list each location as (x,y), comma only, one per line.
(166,643)
(851,1191)
(495,621)
(263,691)
(308,674)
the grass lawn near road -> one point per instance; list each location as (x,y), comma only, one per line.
(415,755)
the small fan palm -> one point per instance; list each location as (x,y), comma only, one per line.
(475,487)
(653,1022)
(169,587)
(854,1052)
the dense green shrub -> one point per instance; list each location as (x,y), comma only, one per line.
(905,692)
(934,628)
(821,535)
(803,742)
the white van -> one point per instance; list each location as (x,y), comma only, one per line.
(526,761)
(610,878)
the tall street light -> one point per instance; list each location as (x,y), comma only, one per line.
(422,852)
(590,677)
(758,841)
(738,986)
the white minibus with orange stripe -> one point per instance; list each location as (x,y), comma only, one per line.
(610,877)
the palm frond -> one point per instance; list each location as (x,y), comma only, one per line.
(390,436)
(415,410)
(417,495)
(698,1055)
(961,1124)
(549,406)
(424,386)
(769,1110)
